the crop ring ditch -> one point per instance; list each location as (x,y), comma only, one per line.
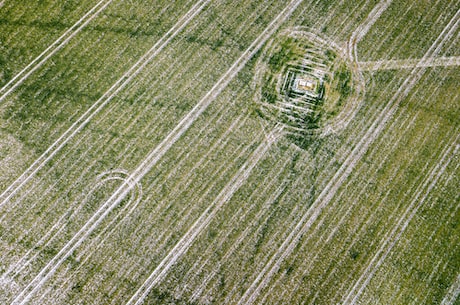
(307,83)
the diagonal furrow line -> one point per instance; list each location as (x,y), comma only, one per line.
(19,78)
(407,122)
(345,170)
(101,103)
(206,217)
(124,214)
(223,82)
(453,292)
(322,240)
(269,184)
(24,296)
(388,244)
(118,196)
(159,151)
(409,63)
(368,215)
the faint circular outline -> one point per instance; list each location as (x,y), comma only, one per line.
(352,104)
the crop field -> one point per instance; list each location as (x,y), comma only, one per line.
(229,152)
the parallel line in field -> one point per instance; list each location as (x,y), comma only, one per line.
(182,160)
(243,213)
(350,19)
(409,63)
(52,233)
(101,103)
(358,230)
(242,26)
(222,172)
(203,221)
(268,185)
(71,212)
(388,87)
(115,224)
(343,212)
(421,193)
(123,209)
(19,78)
(25,294)
(318,243)
(407,34)
(160,150)
(453,293)
(157,153)
(321,242)
(81,140)
(332,187)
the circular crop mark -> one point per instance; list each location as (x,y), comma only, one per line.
(307,83)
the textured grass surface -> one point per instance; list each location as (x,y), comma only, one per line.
(230,214)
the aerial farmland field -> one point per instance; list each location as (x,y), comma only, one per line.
(229,152)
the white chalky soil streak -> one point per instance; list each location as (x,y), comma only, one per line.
(407,125)
(206,217)
(158,152)
(409,63)
(388,244)
(453,292)
(27,293)
(345,170)
(101,103)
(19,78)
(118,196)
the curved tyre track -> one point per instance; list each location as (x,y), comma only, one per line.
(345,170)
(362,30)
(101,103)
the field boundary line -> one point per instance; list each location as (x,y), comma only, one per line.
(22,75)
(422,193)
(101,102)
(409,63)
(206,217)
(364,28)
(453,292)
(345,170)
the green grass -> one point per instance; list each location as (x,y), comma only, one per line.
(228,255)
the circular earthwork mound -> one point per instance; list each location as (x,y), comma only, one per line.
(307,83)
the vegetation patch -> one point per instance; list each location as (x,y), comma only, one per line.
(304,82)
